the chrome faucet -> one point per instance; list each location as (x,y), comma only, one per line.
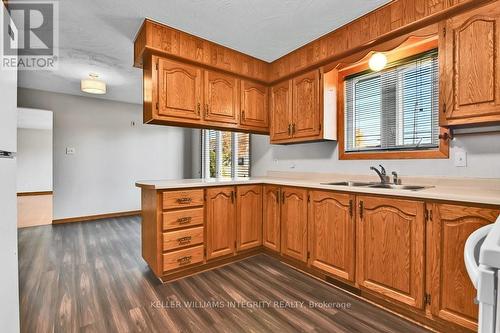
(384,179)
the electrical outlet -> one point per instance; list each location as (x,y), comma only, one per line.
(70,151)
(460,158)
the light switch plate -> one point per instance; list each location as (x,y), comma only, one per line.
(70,150)
(460,158)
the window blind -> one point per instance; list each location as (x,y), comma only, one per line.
(394,109)
(225,154)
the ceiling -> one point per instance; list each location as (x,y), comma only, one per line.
(34,119)
(97,35)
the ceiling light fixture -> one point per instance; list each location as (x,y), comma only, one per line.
(377,61)
(93,85)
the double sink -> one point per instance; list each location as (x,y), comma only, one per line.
(378,185)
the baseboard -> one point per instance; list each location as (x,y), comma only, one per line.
(26,194)
(96,217)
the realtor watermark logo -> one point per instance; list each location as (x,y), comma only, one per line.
(30,35)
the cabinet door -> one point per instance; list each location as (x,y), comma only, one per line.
(281,111)
(254,105)
(221,98)
(452,292)
(294,223)
(271,218)
(220,221)
(331,233)
(249,217)
(390,252)
(179,90)
(471,66)
(306,106)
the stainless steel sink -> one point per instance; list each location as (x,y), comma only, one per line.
(349,183)
(401,187)
(379,185)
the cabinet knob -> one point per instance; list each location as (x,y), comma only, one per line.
(198,108)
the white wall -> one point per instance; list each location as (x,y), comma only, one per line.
(34,160)
(110,153)
(483,155)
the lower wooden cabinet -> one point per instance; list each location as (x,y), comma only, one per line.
(294,223)
(271,224)
(221,217)
(331,231)
(452,292)
(390,248)
(248,217)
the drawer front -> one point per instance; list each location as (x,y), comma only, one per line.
(182,258)
(181,199)
(182,218)
(181,238)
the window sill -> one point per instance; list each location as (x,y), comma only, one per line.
(443,153)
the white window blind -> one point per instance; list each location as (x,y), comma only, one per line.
(225,154)
(394,109)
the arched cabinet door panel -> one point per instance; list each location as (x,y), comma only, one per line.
(306,105)
(294,223)
(470,62)
(254,105)
(281,111)
(249,217)
(221,215)
(221,98)
(390,248)
(271,232)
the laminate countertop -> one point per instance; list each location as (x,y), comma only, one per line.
(480,191)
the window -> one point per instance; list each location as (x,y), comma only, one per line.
(225,154)
(394,111)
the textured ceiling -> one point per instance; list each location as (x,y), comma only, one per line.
(97,35)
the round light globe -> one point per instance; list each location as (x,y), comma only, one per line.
(377,61)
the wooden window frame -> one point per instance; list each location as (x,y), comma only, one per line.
(405,50)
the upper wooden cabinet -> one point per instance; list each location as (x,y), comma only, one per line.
(180,94)
(179,90)
(470,57)
(271,232)
(390,248)
(331,233)
(248,217)
(294,223)
(306,107)
(221,216)
(221,98)
(451,288)
(254,111)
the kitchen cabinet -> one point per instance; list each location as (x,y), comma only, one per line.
(220,224)
(294,223)
(469,54)
(221,98)
(254,112)
(390,248)
(331,233)
(271,218)
(249,217)
(179,90)
(452,292)
(306,106)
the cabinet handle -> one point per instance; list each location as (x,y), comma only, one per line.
(283,197)
(184,240)
(232,197)
(289,129)
(206,109)
(293,129)
(184,200)
(184,260)
(361,207)
(198,108)
(243,114)
(278,196)
(351,208)
(184,220)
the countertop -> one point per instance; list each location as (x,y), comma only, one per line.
(481,191)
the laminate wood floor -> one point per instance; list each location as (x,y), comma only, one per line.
(90,277)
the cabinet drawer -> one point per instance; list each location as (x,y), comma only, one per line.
(182,218)
(179,199)
(180,238)
(181,258)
